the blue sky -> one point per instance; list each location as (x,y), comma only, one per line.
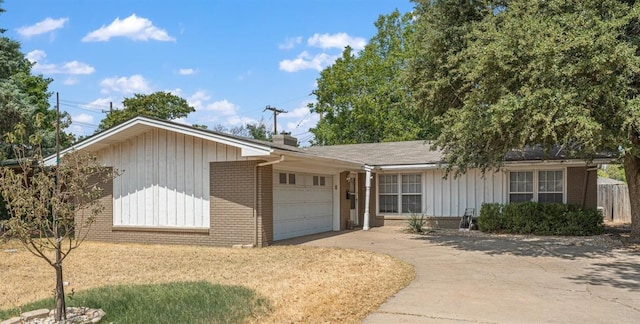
(229,59)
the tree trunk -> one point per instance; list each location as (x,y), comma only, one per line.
(61,310)
(632,171)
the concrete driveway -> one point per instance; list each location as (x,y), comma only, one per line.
(470,277)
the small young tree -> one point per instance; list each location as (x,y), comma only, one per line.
(51,208)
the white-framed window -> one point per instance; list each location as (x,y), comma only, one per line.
(520,186)
(400,193)
(546,186)
(388,193)
(550,186)
(411,193)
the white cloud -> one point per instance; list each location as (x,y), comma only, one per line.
(302,118)
(42,27)
(290,43)
(222,107)
(304,124)
(75,67)
(296,113)
(197,99)
(126,85)
(305,61)
(70,81)
(186,71)
(182,121)
(339,40)
(83,118)
(38,57)
(99,104)
(132,27)
(237,121)
(175,92)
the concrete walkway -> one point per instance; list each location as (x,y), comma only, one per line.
(480,279)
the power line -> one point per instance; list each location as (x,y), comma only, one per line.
(303,119)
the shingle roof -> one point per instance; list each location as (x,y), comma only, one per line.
(389,153)
(374,154)
(422,152)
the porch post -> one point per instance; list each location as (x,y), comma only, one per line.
(367,198)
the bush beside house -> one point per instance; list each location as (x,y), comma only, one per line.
(539,219)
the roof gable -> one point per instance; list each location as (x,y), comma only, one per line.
(141,124)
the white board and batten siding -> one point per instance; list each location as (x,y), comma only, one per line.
(451,196)
(165,179)
(304,207)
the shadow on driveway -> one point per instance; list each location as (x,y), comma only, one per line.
(618,274)
(522,245)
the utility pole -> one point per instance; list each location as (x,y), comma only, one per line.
(276,111)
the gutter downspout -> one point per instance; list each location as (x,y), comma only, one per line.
(255,196)
(367,194)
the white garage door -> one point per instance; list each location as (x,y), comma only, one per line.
(302,204)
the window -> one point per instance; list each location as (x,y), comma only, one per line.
(541,186)
(550,186)
(520,186)
(318,181)
(283,177)
(388,193)
(411,193)
(400,193)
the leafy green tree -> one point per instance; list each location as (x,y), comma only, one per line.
(51,208)
(362,97)
(526,73)
(162,105)
(612,171)
(256,131)
(259,131)
(23,96)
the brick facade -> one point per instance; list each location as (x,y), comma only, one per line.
(231,211)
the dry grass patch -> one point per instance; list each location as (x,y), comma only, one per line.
(303,284)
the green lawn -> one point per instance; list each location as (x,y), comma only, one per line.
(179,302)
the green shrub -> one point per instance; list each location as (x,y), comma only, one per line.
(416,223)
(539,219)
(490,219)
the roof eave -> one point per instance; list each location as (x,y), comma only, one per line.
(247,148)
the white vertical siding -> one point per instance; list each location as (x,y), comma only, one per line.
(451,196)
(166,178)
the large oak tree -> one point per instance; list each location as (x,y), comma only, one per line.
(502,75)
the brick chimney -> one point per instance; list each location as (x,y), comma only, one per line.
(284,139)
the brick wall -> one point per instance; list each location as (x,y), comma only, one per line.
(231,214)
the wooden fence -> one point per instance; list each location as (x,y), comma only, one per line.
(613,198)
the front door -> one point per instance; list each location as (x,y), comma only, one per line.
(353,198)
